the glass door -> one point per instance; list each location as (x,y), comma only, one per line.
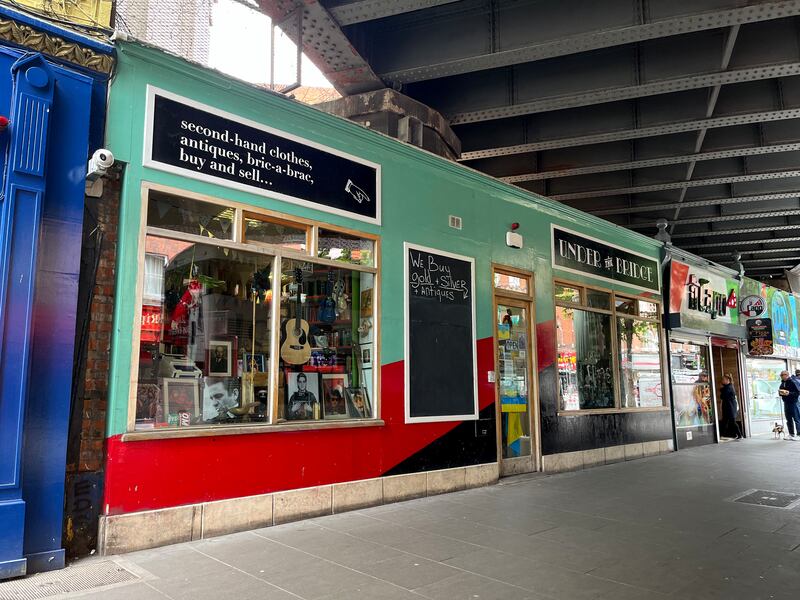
(692,396)
(513,377)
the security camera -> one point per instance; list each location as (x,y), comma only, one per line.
(101,161)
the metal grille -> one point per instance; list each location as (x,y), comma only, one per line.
(72,579)
(769,498)
(182,27)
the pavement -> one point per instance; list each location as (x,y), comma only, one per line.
(654,528)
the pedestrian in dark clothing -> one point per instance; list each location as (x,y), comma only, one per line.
(789,391)
(730,408)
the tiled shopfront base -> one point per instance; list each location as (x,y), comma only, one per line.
(152,528)
(149,529)
(572,461)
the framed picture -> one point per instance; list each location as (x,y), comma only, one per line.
(334,405)
(366,356)
(219,360)
(302,396)
(366,303)
(181,395)
(358,402)
(255,363)
(220,395)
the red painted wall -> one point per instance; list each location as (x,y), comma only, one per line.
(145,475)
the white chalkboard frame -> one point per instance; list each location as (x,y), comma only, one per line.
(406,346)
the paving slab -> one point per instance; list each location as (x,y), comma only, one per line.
(663,527)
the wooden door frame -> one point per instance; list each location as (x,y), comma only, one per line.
(526,302)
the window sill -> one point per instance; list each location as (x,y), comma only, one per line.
(610,411)
(221,430)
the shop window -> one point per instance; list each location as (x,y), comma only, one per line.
(691,387)
(764,379)
(327,343)
(207,359)
(512,283)
(167,211)
(586,376)
(346,248)
(566,293)
(598,299)
(639,363)
(209,339)
(275,232)
(607,358)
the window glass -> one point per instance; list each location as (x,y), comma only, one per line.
(639,363)
(343,247)
(764,379)
(189,216)
(625,305)
(276,233)
(512,283)
(586,376)
(204,356)
(691,389)
(327,343)
(566,293)
(598,299)
(648,310)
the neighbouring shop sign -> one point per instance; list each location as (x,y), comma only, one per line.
(581,254)
(752,306)
(703,299)
(199,141)
(759,337)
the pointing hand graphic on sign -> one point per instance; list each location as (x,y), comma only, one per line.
(356,192)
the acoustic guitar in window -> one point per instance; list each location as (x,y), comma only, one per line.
(296,350)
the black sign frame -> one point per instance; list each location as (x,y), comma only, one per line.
(607,251)
(760,337)
(410,403)
(350,201)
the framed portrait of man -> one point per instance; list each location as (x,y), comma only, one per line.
(302,396)
(220,360)
(334,404)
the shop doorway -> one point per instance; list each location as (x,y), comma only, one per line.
(725,361)
(515,380)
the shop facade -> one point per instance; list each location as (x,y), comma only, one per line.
(768,352)
(311,317)
(52,107)
(705,344)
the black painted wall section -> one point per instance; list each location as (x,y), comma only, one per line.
(586,432)
(470,443)
(701,436)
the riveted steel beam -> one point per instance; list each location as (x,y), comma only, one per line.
(717,219)
(758,270)
(369,10)
(653,162)
(689,205)
(633,134)
(716,232)
(737,243)
(594,40)
(675,185)
(325,44)
(653,88)
(771,260)
(760,251)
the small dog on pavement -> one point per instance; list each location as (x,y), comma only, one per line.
(777,431)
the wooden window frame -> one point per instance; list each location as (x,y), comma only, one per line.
(582,287)
(278,254)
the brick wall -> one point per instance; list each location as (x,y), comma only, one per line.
(93,376)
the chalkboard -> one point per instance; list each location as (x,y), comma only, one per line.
(440,358)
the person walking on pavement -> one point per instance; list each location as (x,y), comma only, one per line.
(789,391)
(730,408)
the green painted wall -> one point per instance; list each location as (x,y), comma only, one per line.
(419,191)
